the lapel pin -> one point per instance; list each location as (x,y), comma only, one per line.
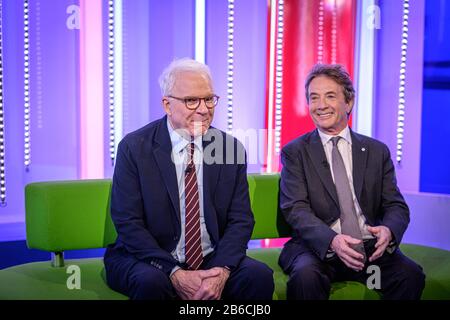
(363,149)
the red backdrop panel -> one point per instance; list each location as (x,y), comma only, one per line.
(300,53)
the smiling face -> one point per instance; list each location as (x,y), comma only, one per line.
(327,105)
(189,84)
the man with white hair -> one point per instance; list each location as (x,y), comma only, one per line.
(183,214)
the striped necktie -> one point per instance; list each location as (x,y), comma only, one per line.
(193,250)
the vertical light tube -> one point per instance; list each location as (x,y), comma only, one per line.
(334,32)
(320,35)
(2,123)
(270,113)
(230,65)
(91,90)
(200,27)
(402,82)
(26,84)
(118,73)
(114,75)
(111,83)
(274,114)
(279,76)
(367,23)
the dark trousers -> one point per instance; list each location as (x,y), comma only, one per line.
(251,280)
(310,278)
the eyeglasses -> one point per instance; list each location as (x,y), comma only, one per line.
(192,103)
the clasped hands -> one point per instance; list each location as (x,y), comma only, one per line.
(341,245)
(200,284)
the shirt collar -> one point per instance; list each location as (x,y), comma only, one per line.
(345,134)
(180,142)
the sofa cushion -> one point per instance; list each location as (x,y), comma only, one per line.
(41,281)
(350,290)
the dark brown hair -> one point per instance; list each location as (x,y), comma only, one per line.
(335,72)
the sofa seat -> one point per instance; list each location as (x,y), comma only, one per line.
(39,280)
(435,262)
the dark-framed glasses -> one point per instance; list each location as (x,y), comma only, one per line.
(192,103)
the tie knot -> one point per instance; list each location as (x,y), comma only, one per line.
(191,150)
(335,140)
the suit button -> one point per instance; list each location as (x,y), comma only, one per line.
(175,238)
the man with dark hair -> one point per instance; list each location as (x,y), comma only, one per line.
(339,194)
(180,203)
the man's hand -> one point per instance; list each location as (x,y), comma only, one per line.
(187,283)
(212,287)
(384,237)
(351,258)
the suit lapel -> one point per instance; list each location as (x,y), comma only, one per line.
(320,162)
(210,176)
(359,154)
(163,156)
(211,170)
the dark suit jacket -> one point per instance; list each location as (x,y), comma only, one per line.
(309,201)
(145,203)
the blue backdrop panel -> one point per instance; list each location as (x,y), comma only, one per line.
(435,153)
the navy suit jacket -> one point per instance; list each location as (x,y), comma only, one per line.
(308,197)
(145,205)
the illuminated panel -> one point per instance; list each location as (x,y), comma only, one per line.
(91,90)
(200,30)
(2,123)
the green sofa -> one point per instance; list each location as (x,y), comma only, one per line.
(71,215)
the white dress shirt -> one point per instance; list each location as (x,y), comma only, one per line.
(345,148)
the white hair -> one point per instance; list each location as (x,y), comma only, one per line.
(168,76)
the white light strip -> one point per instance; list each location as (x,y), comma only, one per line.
(92,89)
(118,74)
(270,149)
(200,30)
(320,33)
(2,123)
(401,88)
(111,85)
(365,56)
(26,86)
(279,76)
(230,66)
(37,67)
(115,75)
(334,33)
